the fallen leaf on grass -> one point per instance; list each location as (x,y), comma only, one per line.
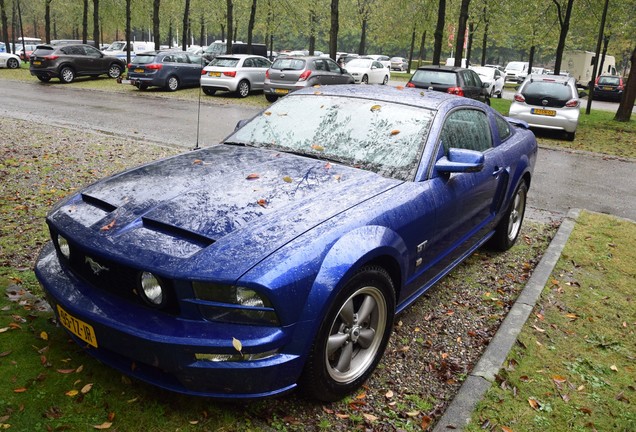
(105,425)
(534,404)
(370,417)
(87,388)
(71,393)
(389,394)
(65,371)
(614,368)
(426,422)
(44,336)
(558,379)
(20,390)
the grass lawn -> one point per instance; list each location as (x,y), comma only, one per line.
(573,367)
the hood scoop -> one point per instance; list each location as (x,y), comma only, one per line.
(177,232)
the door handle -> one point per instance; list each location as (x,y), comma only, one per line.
(497,171)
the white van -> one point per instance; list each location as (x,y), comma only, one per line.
(516,71)
(119,48)
(450,61)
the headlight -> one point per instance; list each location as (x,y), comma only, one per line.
(64,247)
(151,290)
(234,304)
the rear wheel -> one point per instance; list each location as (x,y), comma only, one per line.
(173,83)
(114,71)
(67,75)
(13,63)
(44,78)
(271,98)
(352,337)
(208,91)
(508,229)
(243,88)
(142,86)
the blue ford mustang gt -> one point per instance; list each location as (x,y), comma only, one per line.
(279,258)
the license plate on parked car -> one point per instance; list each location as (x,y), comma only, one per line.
(281,91)
(37,63)
(214,74)
(78,327)
(608,88)
(138,70)
(545,112)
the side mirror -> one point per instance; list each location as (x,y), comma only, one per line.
(582,94)
(240,124)
(460,160)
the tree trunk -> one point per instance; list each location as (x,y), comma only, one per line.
(564,23)
(624,112)
(230,23)
(312,31)
(202,34)
(186,20)
(600,67)
(5,26)
(156,24)
(333,31)
(250,27)
(597,53)
(47,21)
(469,47)
(96,23)
(422,48)
(85,23)
(461,31)
(411,49)
(484,41)
(439,31)
(531,59)
(363,37)
(128,31)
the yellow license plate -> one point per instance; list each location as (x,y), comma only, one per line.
(37,63)
(78,327)
(214,74)
(545,112)
(139,70)
(281,91)
(608,88)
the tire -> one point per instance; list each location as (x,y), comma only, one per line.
(385,81)
(67,75)
(114,71)
(271,98)
(142,87)
(508,229)
(487,101)
(173,83)
(13,63)
(492,92)
(350,342)
(44,78)
(243,88)
(208,91)
(500,95)
(570,136)
(365,79)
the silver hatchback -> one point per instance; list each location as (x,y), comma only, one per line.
(240,73)
(293,73)
(548,102)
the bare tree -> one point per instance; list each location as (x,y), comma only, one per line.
(564,23)
(439,31)
(461,30)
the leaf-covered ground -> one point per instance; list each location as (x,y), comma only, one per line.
(50,384)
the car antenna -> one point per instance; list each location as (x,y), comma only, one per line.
(197,147)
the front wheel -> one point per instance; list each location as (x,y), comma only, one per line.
(365,79)
(271,98)
(385,81)
(173,83)
(114,71)
(13,63)
(508,228)
(67,75)
(352,337)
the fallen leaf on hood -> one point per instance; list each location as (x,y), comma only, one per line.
(317,147)
(375,108)
(108,226)
(395,132)
(252,176)
(287,179)
(262,202)
(237,344)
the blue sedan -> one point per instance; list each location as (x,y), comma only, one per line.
(171,70)
(279,258)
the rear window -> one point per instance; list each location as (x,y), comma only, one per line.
(289,64)
(434,77)
(540,89)
(143,59)
(609,80)
(43,51)
(224,62)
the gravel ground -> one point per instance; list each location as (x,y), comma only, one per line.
(435,342)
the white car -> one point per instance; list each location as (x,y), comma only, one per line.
(385,60)
(10,61)
(493,78)
(368,71)
(239,73)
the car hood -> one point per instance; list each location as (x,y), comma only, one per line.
(221,210)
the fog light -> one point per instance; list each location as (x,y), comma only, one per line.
(65,249)
(151,289)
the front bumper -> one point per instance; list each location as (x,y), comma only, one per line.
(160,349)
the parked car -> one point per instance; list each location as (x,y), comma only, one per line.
(20,51)
(399,64)
(385,60)
(516,71)
(69,61)
(120,49)
(368,71)
(239,73)
(288,74)
(170,70)
(450,79)
(219,47)
(280,257)
(492,78)
(608,87)
(10,61)
(548,102)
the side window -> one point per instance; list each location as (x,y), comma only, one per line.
(263,63)
(503,127)
(333,66)
(466,129)
(168,59)
(92,52)
(320,65)
(248,63)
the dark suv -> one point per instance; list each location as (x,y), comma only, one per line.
(450,79)
(69,61)
(292,73)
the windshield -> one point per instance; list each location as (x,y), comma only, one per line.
(386,138)
(224,62)
(116,46)
(515,66)
(143,59)
(216,48)
(359,63)
(289,64)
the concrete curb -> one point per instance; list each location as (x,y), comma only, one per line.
(458,413)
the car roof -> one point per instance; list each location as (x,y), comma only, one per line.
(549,78)
(401,95)
(441,68)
